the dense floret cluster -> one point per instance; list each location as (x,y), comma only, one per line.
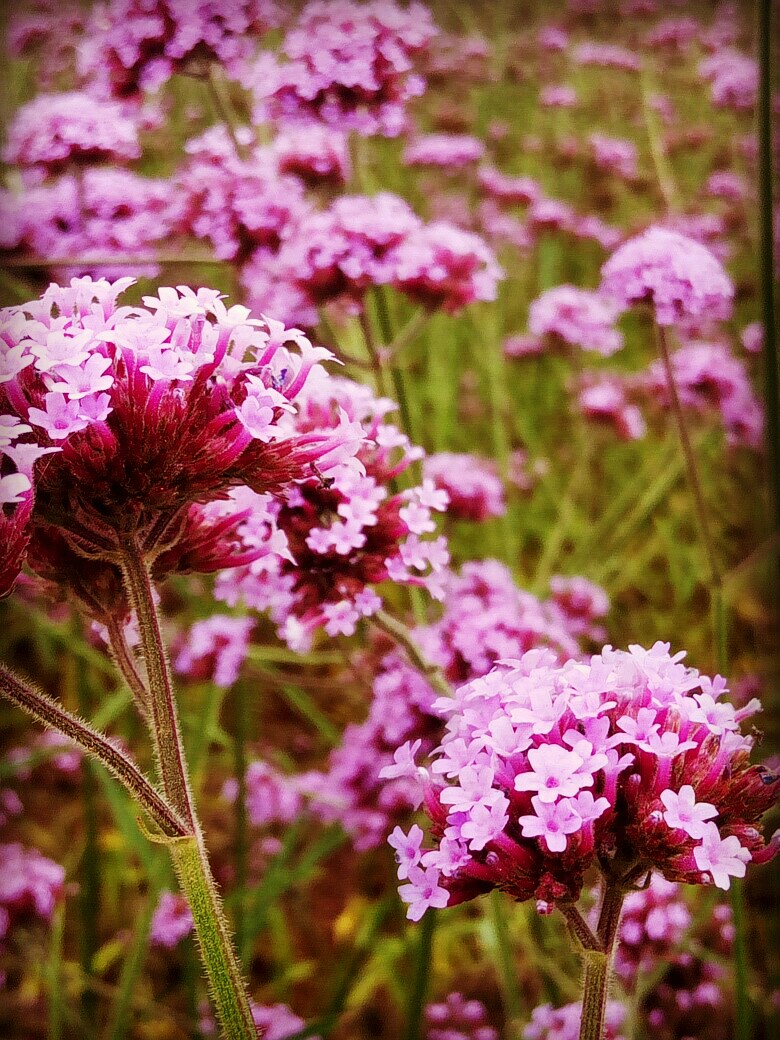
(629,759)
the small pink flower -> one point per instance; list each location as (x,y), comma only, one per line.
(723,858)
(683,811)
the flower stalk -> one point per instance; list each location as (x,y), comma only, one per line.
(48,712)
(189,856)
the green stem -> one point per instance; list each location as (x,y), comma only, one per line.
(716,582)
(422,974)
(163,715)
(227,987)
(399,633)
(189,855)
(51,714)
(597,964)
(125,663)
(594,995)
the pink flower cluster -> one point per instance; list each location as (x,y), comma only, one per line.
(629,760)
(677,276)
(350,66)
(733,79)
(238,204)
(708,377)
(113,213)
(473,486)
(577,317)
(30,883)
(347,533)
(361,241)
(485,617)
(614,155)
(606,401)
(215,649)
(54,130)
(271,796)
(448,151)
(172,921)
(145,414)
(317,154)
(563,1023)
(137,45)
(606,56)
(456,1018)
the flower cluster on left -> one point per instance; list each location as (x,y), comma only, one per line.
(121,421)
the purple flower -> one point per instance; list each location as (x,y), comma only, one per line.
(423,892)
(678,277)
(172,921)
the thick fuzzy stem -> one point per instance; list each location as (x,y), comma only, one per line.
(163,716)
(594,994)
(216,947)
(189,855)
(597,965)
(48,712)
(125,663)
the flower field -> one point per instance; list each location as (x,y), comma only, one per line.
(389,520)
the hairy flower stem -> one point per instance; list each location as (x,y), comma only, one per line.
(597,965)
(125,663)
(716,581)
(47,711)
(189,855)
(400,634)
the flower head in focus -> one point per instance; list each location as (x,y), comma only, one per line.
(629,760)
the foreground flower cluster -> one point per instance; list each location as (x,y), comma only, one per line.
(629,760)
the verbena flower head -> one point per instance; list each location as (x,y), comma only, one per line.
(605,400)
(678,277)
(271,796)
(54,130)
(472,484)
(563,1023)
(506,189)
(172,921)
(629,760)
(558,95)
(440,265)
(709,378)
(606,56)
(733,77)
(350,66)
(143,414)
(117,214)
(447,151)
(318,154)
(614,155)
(456,1018)
(215,649)
(238,204)
(577,317)
(136,45)
(348,533)
(346,249)
(29,882)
